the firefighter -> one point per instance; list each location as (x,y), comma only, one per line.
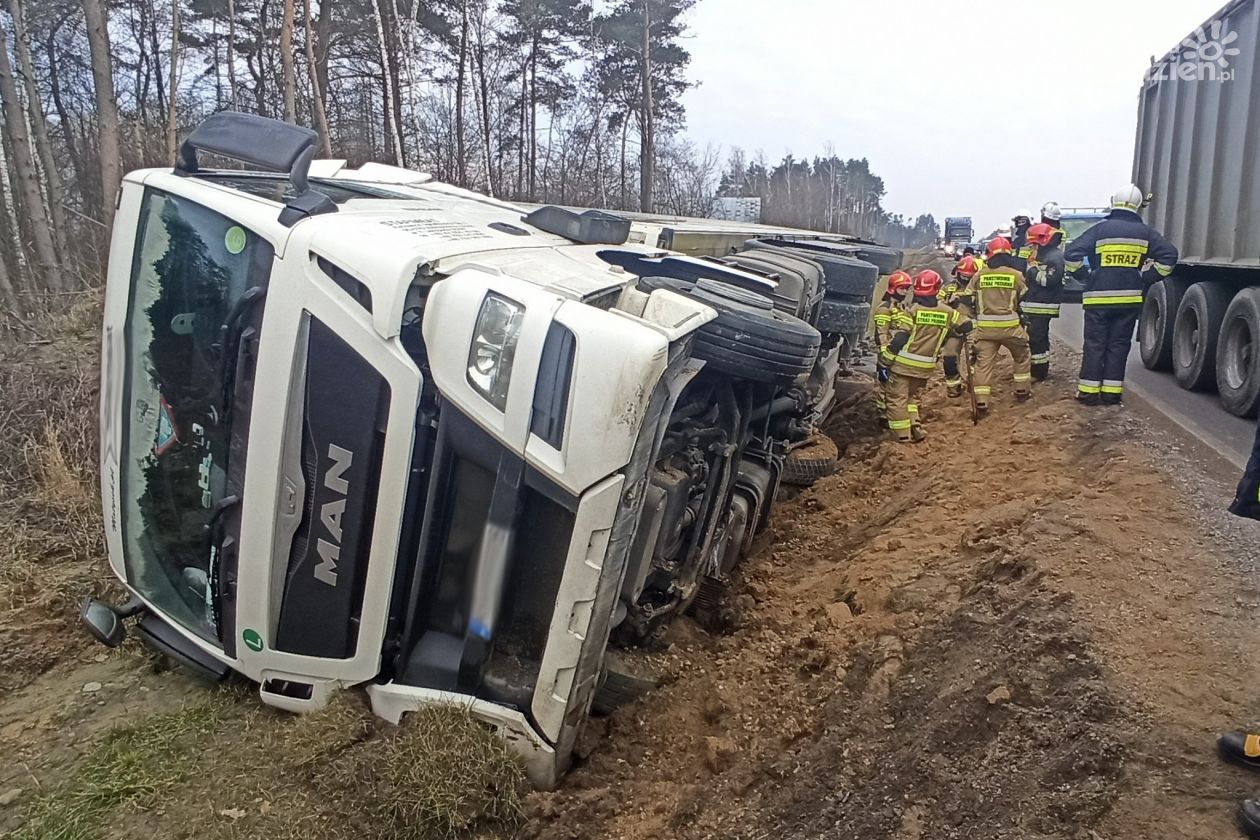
(999,287)
(1126,255)
(1044,277)
(892,304)
(1022,221)
(1052,214)
(921,332)
(958,294)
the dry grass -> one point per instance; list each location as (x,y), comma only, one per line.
(51,549)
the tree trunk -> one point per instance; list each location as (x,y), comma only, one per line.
(647,150)
(231,53)
(625,130)
(533,121)
(522,140)
(461,156)
(286,63)
(63,119)
(317,92)
(23,162)
(39,130)
(172,108)
(391,130)
(106,107)
(323,34)
(483,86)
(156,58)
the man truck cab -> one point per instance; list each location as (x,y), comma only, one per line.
(361,428)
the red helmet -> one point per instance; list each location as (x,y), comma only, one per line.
(899,281)
(1040,234)
(967,267)
(998,245)
(927,283)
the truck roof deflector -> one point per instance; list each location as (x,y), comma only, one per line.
(270,144)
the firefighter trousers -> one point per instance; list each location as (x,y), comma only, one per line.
(1105,350)
(882,402)
(903,403)
(950,351)
(1039,345)
(987,351)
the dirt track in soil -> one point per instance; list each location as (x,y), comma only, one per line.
(1014,630)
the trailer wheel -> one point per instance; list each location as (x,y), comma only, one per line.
(1155,330)
(1195,334)
(886,259)
(749,339)
(1238,355)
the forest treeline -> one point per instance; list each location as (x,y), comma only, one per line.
(558,101)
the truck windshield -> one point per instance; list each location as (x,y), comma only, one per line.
(190,266)
(1073,228)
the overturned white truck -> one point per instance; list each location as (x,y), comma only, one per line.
(361,428)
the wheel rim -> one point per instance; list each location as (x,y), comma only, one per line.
(1239,347)
(1186,339)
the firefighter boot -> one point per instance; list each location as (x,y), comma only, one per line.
(1241,748)
(1249,818)
(917,434)
(1041,371)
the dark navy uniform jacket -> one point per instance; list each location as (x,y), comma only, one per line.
(1118,248)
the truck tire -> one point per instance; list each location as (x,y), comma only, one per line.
(1238,355)
(813,460)
(1155,329)
(845,275)
(1195,334)
(749,339)
(843,317)
(886,259)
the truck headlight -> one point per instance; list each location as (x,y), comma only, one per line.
(494,347)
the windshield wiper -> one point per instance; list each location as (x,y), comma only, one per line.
(217,545)
(229,336)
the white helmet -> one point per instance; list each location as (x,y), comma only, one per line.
(1052,211)
(1023,214)
(1128,197)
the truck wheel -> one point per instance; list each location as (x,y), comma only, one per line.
(886,259)
(749,339)
(1238,355)
(1195,334)
(1155,330)
(815,459)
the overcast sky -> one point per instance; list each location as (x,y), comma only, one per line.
(910,85)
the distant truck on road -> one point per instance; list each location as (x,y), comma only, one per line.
(958,234)
(1198,121)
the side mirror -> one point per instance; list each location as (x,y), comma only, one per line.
(103,622)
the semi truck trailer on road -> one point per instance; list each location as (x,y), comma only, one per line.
(1197,131)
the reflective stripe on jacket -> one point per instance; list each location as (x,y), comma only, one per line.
(1044,300)
(998,293)
(1118,248)
(926,328)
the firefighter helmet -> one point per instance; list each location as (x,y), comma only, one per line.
(899,281)
(998,245)
(1128,197)
(927,283)
(967,267)
(1024,214)
(1040,234)
(1052,211)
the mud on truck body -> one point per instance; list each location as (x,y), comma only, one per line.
(362,428)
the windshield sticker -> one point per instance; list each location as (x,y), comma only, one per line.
(234,239)
(253,641)
(166,434)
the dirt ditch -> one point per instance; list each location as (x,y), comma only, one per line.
(1014,630)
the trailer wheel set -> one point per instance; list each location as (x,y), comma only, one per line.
(1208,336)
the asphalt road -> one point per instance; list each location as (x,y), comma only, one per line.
(1198,414)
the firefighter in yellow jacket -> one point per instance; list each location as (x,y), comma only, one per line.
(892,304)
(920,334)
(999,288)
